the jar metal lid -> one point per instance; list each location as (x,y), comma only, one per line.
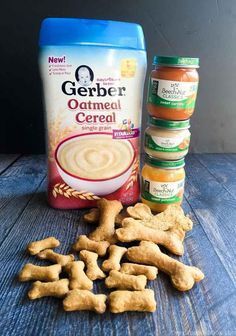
(175,61)
(164,164)
(170,124)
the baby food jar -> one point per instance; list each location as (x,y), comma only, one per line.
(167,140)
(173,87)
(162,183)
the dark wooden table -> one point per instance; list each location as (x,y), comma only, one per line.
(208,309)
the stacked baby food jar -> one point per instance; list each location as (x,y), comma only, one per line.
(171,99)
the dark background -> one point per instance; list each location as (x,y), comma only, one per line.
(205,28)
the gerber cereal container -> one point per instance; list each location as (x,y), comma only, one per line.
(93,74)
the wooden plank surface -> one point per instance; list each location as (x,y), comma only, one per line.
(222,167)
(208,309)
(6,160)
(17,186)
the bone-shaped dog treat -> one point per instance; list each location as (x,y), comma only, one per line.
(179,232)
(84,300)
(42,273)
(120,280)
(106,228)
(94,214)
(135,269)
(172,217)
(40,245)
(57,258)
(78,278)
(84,243)
(139,211)
(115,255)
(57,288)
(183,277)
(123,300)
(93,271)
(135,231)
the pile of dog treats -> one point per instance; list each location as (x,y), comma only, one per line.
(129,279)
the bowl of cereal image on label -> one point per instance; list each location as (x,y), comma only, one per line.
(95,162)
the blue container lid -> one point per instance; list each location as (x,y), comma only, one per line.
(68,31)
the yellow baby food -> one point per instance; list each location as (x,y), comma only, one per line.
(162,183)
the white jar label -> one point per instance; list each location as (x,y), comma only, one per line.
(165,144)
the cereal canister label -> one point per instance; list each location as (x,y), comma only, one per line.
(162,192)
(93,107)
(172,94)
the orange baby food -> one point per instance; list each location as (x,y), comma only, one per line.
(173,87)
(162,183)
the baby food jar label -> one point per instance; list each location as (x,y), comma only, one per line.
(162,192)
(93,106)
(175,144)
(172,94)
